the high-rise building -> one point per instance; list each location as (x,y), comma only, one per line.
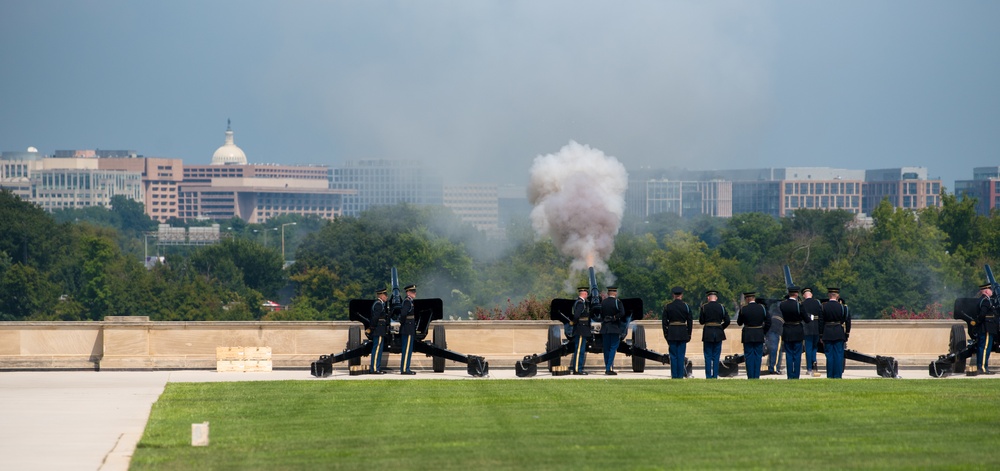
(984,187)
(905,187)
(477,205)
(688,198)
(382,182)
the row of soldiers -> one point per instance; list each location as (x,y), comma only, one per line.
(796,325)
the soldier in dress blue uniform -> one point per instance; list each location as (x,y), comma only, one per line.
(580,330)
(835,329)
(407,328)
(988,327)
(714,317)
(755,321)
(677,326)
(812,309)
(612,318)
(379,322)
(793,334)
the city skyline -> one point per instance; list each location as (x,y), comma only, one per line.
(480,89)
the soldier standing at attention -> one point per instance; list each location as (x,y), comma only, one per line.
(835,329)
(408,329)
(715,319)
(379,320)
(580,330)
(988,328)
(677,326)
(793,334)
(754,319)
(612,317)
(812,309)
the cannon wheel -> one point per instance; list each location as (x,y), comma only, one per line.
(555,341)
(439,342)
(353,341)
(638,341)
(957,343)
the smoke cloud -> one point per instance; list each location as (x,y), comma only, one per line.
(578,196)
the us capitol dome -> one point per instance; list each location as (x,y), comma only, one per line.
(229,153)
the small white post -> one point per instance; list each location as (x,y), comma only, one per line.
(199,434)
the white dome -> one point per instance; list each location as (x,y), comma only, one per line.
(229,153)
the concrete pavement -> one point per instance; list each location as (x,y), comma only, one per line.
(87,420)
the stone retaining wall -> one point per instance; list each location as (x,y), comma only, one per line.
(126,343)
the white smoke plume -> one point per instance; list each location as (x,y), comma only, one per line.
(578,195)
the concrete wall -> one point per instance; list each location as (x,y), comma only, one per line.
(135,343)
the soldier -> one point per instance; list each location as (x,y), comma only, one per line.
(792,335)
(580,330)
(612,317)
(775,347)
(677,326)
(715,319)
(988,328)
(379,321)
(408,329)
(754,319)
(834,329)
(812,309)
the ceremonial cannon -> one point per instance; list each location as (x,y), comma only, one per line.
(557,347)
(426,311)
(961,349)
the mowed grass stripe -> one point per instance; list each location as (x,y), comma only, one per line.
(577,424)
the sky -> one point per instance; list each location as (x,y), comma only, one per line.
(479,89)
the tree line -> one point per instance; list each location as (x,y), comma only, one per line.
(85,264)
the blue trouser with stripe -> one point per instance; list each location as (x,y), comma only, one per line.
(793,359)
(611,342)
(985,346)
(713,350)
(677,351)
(579,353)
(811,342)
(404,360)
(834,358)
(754,353)
(377,343)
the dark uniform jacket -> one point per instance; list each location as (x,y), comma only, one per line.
(988,316)
(755,321)
(677,321)
(791,311)
(379,319)
(407,318)
(836,322)
(812,308)
(612,316)
(580,319)
(713,315)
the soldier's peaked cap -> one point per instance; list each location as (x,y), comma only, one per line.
(985,286)
(793,289)
(711,292)
(612,288)
(750,294)
(833,290)
(807,290)
(677,290)
(381,291)
(410,288)
(583,288)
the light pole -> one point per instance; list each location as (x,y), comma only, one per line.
(283,240)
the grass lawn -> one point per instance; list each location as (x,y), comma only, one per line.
(577,424)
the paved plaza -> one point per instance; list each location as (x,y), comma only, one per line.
(87,420)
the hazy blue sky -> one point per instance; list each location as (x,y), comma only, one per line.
(482,87)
